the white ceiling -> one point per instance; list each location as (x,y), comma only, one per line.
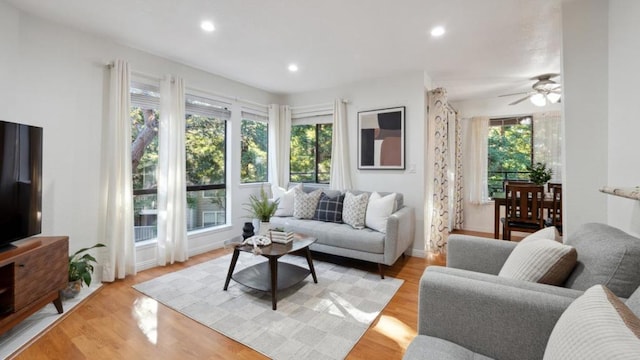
(491,46)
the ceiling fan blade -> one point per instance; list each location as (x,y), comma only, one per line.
(518,93)
(520,100)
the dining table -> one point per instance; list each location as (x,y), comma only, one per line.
(501,201)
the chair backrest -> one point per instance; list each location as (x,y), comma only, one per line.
(514,182)
(556,212)
(524,204)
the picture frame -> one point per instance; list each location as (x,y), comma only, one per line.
(381,139)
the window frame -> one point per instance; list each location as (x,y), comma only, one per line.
(256,116)
(509,121)
(209,107)
(317,120)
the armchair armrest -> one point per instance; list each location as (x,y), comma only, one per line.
(401,228)
(497,320)
(477,253)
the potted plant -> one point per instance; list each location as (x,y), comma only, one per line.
(540,174)
(80,271)
(262,208)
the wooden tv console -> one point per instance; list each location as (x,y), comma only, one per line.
(32,275)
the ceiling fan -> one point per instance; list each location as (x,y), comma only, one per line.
(544,90)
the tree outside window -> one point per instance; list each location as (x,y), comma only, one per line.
(510,151)
(310,159)
(254,151)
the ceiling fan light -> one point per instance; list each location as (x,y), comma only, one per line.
(553,97)
(538,99)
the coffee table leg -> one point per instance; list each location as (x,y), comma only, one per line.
(232,266)
(273,264)
(311,268)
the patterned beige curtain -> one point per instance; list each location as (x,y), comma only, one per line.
(443,208)
(458,219)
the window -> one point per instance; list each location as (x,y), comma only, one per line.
(510,151)
(205,155)
(145,102)
(310,159)
(254,134)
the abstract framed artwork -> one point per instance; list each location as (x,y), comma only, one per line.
(381,139)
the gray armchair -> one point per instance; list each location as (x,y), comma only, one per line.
(467,312)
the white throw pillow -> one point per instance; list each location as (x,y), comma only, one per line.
(550,233)
(597,325)
(304,205)
(543,261)
(354,209)
(378,211)
(286,197)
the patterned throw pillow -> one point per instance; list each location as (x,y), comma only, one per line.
(329,209)
(543,261)
(355,209)
(304,205)
(597,325)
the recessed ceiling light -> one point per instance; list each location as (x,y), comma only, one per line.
(293,67)
(437,31)
(207,26)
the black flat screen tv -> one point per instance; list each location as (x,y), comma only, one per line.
(20,182)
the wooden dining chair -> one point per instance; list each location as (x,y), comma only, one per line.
(524,210)
(554,217)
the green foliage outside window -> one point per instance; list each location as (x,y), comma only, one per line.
(509,155)
(307,165)
(254,150)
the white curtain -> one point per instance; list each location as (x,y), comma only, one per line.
(275,158)
(340,168)
(117,193)
(479,144)
(172,197)
(284,145)
(547,140)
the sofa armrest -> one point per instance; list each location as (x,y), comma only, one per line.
(401,228)
(477,253)
(493,319)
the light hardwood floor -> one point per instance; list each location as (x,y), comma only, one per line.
(117,322)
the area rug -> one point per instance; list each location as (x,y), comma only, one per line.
(313,321)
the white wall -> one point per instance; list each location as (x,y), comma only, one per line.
(401,90)
(585,101)
(481,217)
(624,111)
(55,77)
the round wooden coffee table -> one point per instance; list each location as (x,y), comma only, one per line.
(273,275)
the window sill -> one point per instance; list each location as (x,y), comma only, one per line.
(191,234)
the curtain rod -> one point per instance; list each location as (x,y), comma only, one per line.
(159,78)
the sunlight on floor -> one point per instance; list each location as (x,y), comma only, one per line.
(395,330)
(145,312)
(358,315)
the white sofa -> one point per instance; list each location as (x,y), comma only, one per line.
(364,244)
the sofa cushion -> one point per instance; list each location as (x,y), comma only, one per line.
(425,347)
(304,205)
(355,209)
(286,199)
(329,208)
(597,325)
(606,256)
(379,209)
(333,234)
(543,261)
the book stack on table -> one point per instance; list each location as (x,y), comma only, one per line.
(280,236)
